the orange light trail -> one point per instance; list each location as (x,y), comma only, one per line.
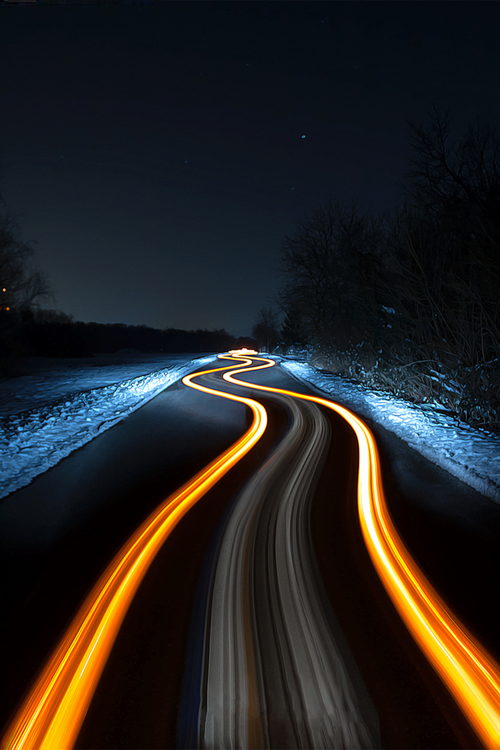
(53,711)
(470,673)
(55,707)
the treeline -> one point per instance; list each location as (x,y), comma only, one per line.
(52,334)
(27,330)
(49,333)
(409,301)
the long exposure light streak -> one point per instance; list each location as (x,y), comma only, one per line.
(470,673)
(55,707)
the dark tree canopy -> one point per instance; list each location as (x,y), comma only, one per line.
(22,286)
(327,267)
(411,297)
(266,329)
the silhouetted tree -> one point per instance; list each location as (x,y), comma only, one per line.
(410,301)
(21,286)
(444,244)
(292,333)
(266,329)
(329,267)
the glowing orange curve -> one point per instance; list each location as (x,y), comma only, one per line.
(53,711)
(470,673)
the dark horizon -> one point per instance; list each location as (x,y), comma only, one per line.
(156,153)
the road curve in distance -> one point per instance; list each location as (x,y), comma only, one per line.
(272,674)
(54,709)
(470,673)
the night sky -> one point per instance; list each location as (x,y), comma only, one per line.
(157,152)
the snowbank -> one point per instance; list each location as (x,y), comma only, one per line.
(472,455)
(47,415)
(33,441)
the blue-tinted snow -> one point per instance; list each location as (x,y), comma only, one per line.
(49,380)
(472,455)
(48,415)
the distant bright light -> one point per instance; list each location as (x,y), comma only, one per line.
(54,710)
(303,136)
(242,351)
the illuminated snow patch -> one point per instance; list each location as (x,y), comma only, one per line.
(33,441)
(472,455)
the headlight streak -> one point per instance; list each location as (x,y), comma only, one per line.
(55,707)
(470,673)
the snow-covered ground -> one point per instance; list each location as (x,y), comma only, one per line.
(46,380)
(47,414)
(472,455)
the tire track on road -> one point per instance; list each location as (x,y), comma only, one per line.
(272,673)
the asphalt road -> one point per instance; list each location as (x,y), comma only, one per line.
(261,621)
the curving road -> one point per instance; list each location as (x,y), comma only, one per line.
(272,674)
(292,638)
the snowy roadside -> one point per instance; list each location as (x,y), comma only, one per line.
(472,455)
(44,381)
(48,415)
(36,439)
